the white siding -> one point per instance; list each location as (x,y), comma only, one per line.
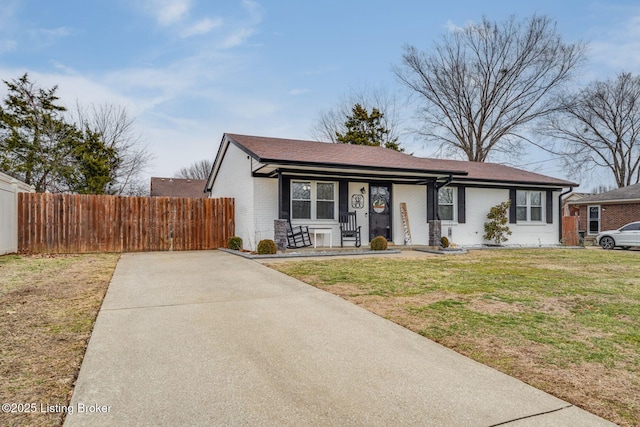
(265,209)
(9,189)
(538,233)
(415,196)
(234,180)
(479,201)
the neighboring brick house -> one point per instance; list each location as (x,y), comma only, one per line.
(312,182)
(607,211)
(178,187)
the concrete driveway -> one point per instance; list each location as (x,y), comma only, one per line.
(209,338)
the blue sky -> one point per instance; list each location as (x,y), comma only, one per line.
(190,70)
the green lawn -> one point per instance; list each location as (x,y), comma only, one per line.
(565,321)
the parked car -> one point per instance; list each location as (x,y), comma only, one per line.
(624,237)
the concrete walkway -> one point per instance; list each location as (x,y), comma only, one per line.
(209,338)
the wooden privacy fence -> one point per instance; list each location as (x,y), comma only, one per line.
(70,223)
(570,234)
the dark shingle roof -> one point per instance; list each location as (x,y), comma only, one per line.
(279,150)
(178,187)
(632,192)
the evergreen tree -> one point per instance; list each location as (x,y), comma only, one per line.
(40,148)
(363,128)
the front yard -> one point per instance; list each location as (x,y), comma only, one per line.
(48,305)
(564,321)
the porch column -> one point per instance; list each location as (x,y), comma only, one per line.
(280,233)
(435,232)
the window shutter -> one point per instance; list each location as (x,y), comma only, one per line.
(549,207)
(432,202)
(285,197)
(512,208)
(462,201)
(343,196)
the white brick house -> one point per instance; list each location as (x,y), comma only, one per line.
(310,183)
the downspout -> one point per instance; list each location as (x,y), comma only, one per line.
(560,209)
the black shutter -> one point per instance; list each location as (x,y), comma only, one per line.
(285,197)
(343,196)
(512,208)
(431,201)
(462,201)
(549,207)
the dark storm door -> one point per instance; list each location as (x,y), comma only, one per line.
(380,211)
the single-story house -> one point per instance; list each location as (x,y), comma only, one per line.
(607,211)
(178,187)
(395,195)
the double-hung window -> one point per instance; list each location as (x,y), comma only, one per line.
(313,200)
(529,206)
(446,207)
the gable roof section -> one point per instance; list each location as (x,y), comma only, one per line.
(178,187)
(291,153)
(624,194)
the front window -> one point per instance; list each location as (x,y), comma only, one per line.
(325,203)
(445,204)
(301,200)
(529,206)
(313,200)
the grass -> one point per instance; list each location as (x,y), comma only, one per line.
(564,321)
(48,305)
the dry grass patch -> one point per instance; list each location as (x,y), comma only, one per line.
(48,305)
(565,321)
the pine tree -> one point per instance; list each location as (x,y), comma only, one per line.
(39,147)
(363,128)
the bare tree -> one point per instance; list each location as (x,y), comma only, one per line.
(483,83)
(117,130)
(599,127)
(197,170)
(332,122)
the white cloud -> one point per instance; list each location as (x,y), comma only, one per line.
(615,49)
(236,38)
(296,92)
(7,45)
(168,12)
(202,27)
(49,36)
(451,27)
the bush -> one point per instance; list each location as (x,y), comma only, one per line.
(444,242)
(496,227)
(379,243)
(234,243)
(267,247)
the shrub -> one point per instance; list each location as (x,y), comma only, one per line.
(444,242)
(267,247)
(496,227)
(234,243)
(378,243)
